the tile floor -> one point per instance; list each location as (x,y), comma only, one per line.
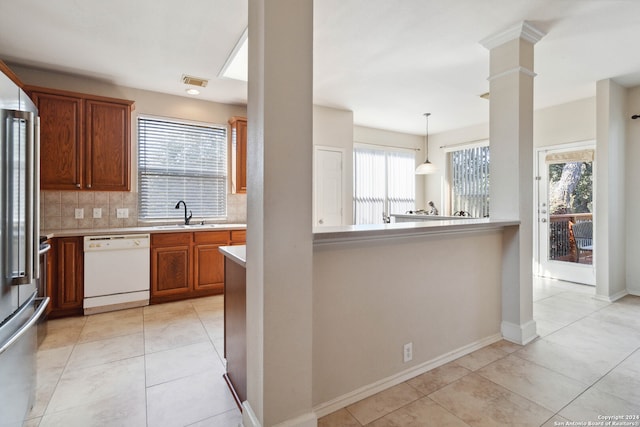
(585,364)
(154,366)
(162,366)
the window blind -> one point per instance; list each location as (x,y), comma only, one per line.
(181,161)
(470,181)
(384,183)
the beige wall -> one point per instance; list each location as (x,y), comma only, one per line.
(58,208)
(372,297)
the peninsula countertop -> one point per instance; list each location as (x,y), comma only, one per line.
(237,253)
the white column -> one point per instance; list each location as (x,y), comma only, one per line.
(279,229)
(511,150)
(609,230)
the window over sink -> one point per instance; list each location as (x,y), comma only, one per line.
(180,160)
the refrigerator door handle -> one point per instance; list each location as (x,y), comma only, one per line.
(32,320)
(31,266)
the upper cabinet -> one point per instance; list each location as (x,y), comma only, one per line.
(85,141)
(238,154)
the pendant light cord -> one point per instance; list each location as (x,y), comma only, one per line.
(427,136)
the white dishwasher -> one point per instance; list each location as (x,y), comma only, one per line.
(116,272)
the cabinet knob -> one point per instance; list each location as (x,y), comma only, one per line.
(78,185)
(88,185)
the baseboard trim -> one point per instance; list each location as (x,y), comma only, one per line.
(249,419)
(369,390)
(519,334)
(635,293)
(611,298)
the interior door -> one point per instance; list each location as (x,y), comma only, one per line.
(328,187)
(565,206)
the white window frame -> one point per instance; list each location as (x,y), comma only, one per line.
(448,184)
(386,202)
(221,171)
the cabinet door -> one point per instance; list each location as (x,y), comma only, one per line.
(70,274)
(107,159)
(170,270)
(209,267)
(60,141)
(238,154)
(238,237)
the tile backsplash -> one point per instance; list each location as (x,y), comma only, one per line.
(58,209)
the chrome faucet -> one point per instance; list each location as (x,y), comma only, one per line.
(186,218)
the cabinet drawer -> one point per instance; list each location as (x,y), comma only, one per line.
(170,239)
(212,237)
(238,236)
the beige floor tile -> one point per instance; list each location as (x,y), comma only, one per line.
(551,310)
(383,403)
(581,299)
(49,367)
(129,412)
(480,402)
(586,367)
(109,384)
(188,400)
(625,314)
(437,378)
(182,362)
(555,421)
(540,385)
(624,380)
(341,418)
(170,309)
(213,326)
(506,346)
(113,324)
(591,335)
(106,350)
(547,327)
(421,413)
(62,332)
(594,403)
(232,418)
(173,332)
(480,358)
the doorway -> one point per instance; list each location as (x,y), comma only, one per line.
(328,186)
(564,214)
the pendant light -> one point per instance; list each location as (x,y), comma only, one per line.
(427,167)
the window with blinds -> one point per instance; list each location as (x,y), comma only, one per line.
(470,181)
(384,184)
(181,161)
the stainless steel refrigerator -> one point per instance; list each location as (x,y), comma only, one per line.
(20,305)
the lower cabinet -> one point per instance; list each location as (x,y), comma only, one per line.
(67,276)
(187,265)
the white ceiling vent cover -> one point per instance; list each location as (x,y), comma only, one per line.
(194,81)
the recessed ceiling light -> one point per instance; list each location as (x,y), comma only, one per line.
(193,91)
(237,64)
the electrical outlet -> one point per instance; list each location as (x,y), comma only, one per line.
(408,352)
(122,213)
(79,213)
(97,212)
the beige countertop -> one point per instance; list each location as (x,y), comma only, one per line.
(237,253)
(171,228)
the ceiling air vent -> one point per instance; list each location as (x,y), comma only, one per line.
(194,81)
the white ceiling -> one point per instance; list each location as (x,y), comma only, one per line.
(388,61)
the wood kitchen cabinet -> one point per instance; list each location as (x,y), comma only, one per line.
(208,261)
(171,266)
(85,141)
(238,152)
(67,276)
(188,265)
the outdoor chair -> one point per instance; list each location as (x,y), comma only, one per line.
(583,235)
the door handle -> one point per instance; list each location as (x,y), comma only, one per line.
(543,220)
(32,320)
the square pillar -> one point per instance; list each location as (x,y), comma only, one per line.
(279,215)
(511,151)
